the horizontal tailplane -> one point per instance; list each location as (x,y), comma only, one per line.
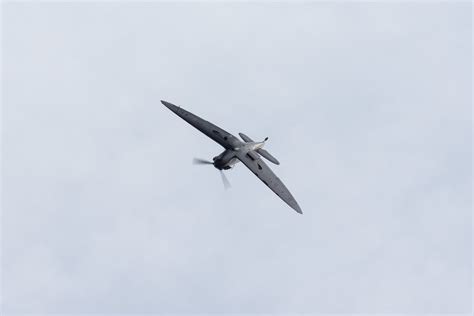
(265,154)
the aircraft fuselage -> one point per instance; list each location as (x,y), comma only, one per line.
(227,159)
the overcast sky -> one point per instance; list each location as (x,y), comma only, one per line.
(367,106)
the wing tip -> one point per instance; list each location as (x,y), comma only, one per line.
(170,106)
(298,209)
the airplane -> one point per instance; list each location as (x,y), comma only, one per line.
(248,152)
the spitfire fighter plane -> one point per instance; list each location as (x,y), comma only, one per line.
(248,152)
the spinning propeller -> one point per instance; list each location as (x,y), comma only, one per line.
(199,161)
(225,181)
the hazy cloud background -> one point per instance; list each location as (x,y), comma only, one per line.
(367,106)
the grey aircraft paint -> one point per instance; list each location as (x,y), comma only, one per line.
(247,152)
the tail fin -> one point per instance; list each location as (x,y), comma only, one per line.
(265,154)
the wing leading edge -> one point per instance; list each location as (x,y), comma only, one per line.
(264,173)
(222,137)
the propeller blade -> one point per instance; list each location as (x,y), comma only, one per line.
(199,161)
(225,181)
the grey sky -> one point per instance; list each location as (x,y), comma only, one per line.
(368,109)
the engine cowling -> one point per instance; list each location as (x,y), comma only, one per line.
(224,160)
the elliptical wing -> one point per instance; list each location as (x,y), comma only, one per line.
(264,173)
(222,137)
